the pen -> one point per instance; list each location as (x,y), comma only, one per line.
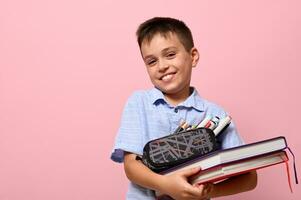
(204,122)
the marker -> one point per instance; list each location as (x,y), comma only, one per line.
(190,127)
(209,123)
(204,122)
(183,127)
(193,126)
(223,123)
(180,128)
(215,121)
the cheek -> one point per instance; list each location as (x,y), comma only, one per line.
(187,70)
(182,62)
(185,66)
(151,72)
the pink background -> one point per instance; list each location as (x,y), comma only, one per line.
(67,68)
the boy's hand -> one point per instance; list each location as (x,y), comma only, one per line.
(177,186)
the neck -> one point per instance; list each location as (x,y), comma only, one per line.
(175,99)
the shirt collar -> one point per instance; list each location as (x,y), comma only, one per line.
(193,101)
(157,96)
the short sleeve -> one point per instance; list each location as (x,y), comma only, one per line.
(129,135)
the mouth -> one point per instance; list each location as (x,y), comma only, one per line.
(167,77)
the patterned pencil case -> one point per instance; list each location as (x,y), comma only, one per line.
(166,152)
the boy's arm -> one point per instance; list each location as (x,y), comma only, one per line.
(234,185)
(175,185)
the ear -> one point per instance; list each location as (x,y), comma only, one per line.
(194,56)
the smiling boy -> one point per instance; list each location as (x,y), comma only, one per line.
(169,54)
(169,65)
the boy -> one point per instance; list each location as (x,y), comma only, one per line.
(167,48)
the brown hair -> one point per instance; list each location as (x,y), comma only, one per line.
(165,26)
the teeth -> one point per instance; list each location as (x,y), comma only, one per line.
(167,77)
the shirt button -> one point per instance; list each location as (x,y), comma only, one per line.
(176,110)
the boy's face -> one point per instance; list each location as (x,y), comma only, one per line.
(169,64)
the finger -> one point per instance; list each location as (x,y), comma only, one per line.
(190,172)
(196,192)
(204,190)
(198,184)
(207,189)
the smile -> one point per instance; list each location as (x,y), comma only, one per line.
(167,77)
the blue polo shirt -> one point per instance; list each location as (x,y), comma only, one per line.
(147,116)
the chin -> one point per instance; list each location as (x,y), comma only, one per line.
(169,91)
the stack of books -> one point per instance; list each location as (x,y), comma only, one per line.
(222,164)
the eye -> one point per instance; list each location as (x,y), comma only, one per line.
(170,54)
(150,62)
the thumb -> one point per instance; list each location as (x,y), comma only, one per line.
(190,172)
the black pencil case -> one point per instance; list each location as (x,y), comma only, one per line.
(164,153)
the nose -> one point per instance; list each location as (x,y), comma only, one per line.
(163,65)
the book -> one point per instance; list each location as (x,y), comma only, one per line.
(225,171)
(225,163)
(224,156)
(235,168)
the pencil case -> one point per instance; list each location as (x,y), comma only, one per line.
(166,152)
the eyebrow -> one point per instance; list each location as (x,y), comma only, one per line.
(163,51)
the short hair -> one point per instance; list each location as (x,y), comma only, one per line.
(165,25)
